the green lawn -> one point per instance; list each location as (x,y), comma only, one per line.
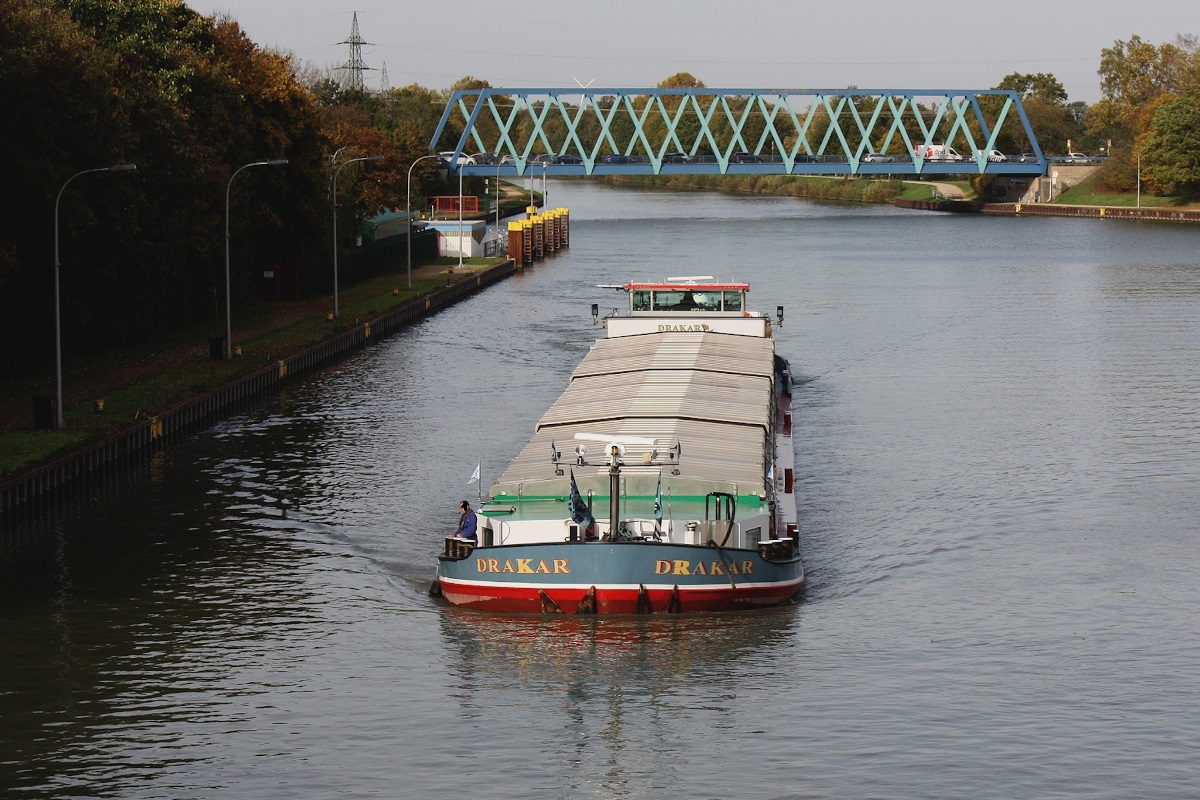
(162,389)
(919,190)
(1087,194)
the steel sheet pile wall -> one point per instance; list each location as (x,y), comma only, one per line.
(533,239)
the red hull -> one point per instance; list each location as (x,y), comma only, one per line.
(491,597)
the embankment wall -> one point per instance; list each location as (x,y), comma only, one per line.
(28,491)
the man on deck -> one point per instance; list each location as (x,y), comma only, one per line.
(467,523)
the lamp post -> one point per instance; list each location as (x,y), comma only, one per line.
(58,397)
(335,208)
(460,205)
(1139,179)
(228,323)
(408,210)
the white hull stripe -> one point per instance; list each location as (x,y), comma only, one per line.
(628,587)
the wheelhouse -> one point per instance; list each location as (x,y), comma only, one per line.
(687,296)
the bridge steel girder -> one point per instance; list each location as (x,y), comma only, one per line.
(734,131)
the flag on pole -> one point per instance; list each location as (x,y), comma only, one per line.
(475,474)
(578,509)
(658,503)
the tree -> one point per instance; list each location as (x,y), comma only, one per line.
(1137,78)
(1134,73)
(682,80)
(186,98)
(1042,85)
(1171,160)
(687,130)
(59,119)
(1052,124)
(1052,119)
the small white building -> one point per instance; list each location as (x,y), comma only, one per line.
(453,239)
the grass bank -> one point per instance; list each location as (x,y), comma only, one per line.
(134,383)
(850,190)
(1090,192)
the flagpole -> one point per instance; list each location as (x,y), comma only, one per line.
(658,509)
(477,477)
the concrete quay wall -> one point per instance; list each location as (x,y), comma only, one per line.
(1052,210)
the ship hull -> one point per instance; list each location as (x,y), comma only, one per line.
(620,578)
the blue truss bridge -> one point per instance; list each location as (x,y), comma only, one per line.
(519,132)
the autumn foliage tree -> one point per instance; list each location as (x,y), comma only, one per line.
(1148,90)
(188,99)
(1172,146)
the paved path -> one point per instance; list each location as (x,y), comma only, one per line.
(947,190)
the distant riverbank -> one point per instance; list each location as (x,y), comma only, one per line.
(918,195)
(844,189)
(1054,210)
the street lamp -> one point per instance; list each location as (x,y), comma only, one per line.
(335,239)
(460,205)
(58,397)
(228,323)
(408,211)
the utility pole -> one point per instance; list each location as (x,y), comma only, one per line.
(354,67)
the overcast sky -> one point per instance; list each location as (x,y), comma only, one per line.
(760,44)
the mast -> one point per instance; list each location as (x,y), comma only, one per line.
(614,488)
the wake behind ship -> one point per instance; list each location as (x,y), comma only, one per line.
(661,480)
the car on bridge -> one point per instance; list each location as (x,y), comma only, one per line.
(877,158)
(938,152)
(618,158)
(551,158)
(464,160)
(994,156)
(1028,158)
(745,158)
(677,158)
(1077,158)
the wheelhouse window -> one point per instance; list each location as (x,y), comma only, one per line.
(667,300)
(686,299)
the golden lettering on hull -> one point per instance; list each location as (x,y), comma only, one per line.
(684,567)
(668,328)
(524,566)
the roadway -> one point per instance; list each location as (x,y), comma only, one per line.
(746,164)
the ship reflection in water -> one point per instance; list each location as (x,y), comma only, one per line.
(590,652)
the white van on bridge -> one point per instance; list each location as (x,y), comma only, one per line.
(937,152)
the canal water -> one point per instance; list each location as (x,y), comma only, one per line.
(998,447)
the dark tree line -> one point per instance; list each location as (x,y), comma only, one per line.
(188,99)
